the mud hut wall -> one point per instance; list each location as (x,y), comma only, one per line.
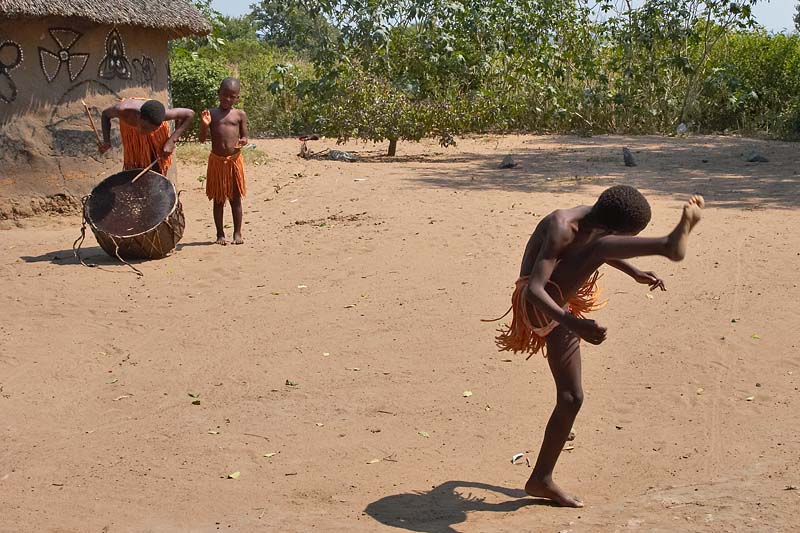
(47,66)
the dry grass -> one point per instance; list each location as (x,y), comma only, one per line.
(197,153)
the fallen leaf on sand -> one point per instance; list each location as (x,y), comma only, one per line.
(424,434)
(373,461)
(195,402)
(326,354)
(271,454)
(291,383)
(349,306)
(213,432)
(234,475)
(194,395)
(467,393)
(122,397)
(750,398)
(700,391)
(516,457)
(354,369)
(568,447)
(302,287)
(319,424)
(755,336)
(649,296)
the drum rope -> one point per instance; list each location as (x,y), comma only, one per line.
(116,252)
(76,246)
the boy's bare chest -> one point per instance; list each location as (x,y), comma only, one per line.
(227,120)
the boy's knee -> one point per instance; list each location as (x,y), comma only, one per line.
(570,399)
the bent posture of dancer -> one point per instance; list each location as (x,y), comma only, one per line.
(558,284)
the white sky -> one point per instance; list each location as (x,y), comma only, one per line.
(774,15)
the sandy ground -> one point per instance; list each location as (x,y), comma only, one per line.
(362,285)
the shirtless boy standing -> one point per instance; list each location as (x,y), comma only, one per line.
(225,175)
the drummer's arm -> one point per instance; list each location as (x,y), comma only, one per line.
(107,115)
(183,119)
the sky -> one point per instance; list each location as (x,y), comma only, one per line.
(774,15)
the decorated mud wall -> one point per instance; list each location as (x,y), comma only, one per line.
(48,151)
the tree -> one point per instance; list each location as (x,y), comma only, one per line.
(191,45)
(237,28)
(797,17)
(659,54)
(295,24)
(431,60)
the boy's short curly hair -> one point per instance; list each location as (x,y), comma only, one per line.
(622,209)
(153,112)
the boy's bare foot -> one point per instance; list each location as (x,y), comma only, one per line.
(679,238)
(237,239)
(221,240)
(551,491)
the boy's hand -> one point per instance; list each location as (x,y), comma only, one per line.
(168,148)
(103,148)
(588,330)
(650,278)
(242,143)
(205,117)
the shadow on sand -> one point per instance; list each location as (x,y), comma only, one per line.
(436,510)
(715,167)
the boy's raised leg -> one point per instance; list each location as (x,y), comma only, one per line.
(219,209)
(564,358)
(672,246)
(573,270)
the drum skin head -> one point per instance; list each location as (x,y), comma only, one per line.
(123,209)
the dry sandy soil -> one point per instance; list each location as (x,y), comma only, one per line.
(342,336)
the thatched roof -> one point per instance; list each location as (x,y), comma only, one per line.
(178,17)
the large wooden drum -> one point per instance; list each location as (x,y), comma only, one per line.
(135,220)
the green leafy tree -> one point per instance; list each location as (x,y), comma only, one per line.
(214,40)
(195,83)
(237,29)
(295,24)
(797,17)
(658,55)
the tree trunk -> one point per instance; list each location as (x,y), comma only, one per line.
(392,147)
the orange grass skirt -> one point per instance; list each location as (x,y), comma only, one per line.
(522,336)
(140,149)
(222,173)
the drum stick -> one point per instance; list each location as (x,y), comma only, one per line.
(144,171)
(91,120)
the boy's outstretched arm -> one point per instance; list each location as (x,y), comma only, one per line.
(543,268)
(646,278)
